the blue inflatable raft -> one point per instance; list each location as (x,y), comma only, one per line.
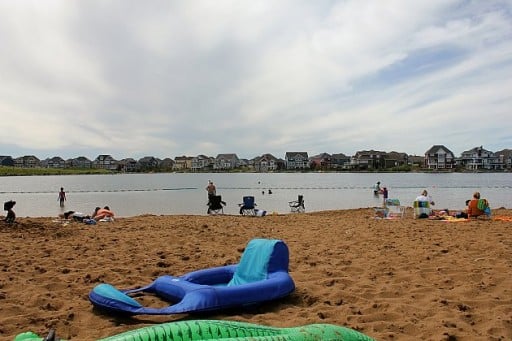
(261,275)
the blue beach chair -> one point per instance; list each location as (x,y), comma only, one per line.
(248,207)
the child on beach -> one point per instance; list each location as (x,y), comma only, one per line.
(385,195)
(62,197)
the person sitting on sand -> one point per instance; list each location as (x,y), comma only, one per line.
(11,216)
(424,197)
(77,216)
(103,213)
(475,209)
(463,213)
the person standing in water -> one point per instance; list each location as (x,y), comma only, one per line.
(376,188)
(384,195)
(62,197)
(211,189)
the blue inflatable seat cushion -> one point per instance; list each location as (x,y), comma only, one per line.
(254,263)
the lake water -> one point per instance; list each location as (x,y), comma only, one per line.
(177,193)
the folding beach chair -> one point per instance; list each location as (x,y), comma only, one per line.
(297,205)
(216,205)
(248,207)
(421,209)
(394,208)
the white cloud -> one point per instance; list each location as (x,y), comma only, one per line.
(170,78)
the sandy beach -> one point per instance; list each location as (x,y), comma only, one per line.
(400,279)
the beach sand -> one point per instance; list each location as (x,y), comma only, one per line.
(401,279)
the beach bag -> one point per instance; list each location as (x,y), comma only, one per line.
(482,204)
(260,213)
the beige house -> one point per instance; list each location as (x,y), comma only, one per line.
(182,162)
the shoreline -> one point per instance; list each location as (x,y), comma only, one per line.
(408,213)
(390,279)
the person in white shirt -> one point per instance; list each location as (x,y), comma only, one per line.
(425,197)
(376,188)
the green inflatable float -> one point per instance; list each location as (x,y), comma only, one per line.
(197,330)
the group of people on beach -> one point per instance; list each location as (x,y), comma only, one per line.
(474,208)
(104,214)
(99,214)
(212,192)
(377,190)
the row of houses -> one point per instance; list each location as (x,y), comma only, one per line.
(438,157)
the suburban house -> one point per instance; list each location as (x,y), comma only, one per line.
(396,159)
(167,164)
(480,158)
(245,163)
(6,161)
(416,160)
(340,161)
(79,162)
(148,163)
(105,161)
(265,163)
(368,159)
(202,162)
(226,161)
(439,157)
(320,162)
(27,161)
(54,162)
(296,160)
(182,162)
(128,165)
(505,157)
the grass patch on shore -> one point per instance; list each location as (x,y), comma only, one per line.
(16,171)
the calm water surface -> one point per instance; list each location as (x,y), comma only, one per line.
(134,194)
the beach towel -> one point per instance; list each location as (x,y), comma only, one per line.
(503,218)
(451,219)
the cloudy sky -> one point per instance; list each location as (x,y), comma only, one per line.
(168,78)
